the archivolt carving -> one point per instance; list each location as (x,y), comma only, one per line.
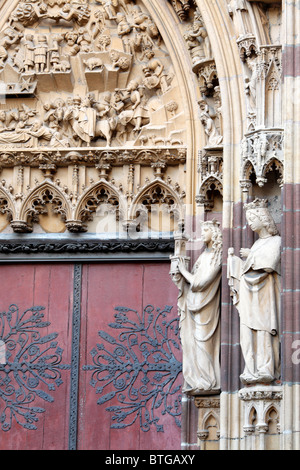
(182,8)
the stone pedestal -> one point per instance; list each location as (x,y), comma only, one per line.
(261,406)
(208,431)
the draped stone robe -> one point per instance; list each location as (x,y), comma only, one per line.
(199,306)
(258,303)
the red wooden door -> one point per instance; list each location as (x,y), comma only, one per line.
(36,309)
(134,361)
(94,362)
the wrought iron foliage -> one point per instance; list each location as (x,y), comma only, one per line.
(31,368)
(138,371)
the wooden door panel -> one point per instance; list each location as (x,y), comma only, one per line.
(128,396)
(35,382)
(119,321)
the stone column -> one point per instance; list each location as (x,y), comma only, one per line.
(291,229)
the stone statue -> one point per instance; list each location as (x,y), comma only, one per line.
(10,37)
(28,43)
(213,136)
(255,288)
(40,54)
(199,309)
(197,40)
(156,77)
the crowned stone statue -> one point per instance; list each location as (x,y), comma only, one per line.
(255,289)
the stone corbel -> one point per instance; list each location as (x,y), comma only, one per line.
(49,170)
(158,168)
(103,169)
(207,76)
(76,226)
(21,226)
(247,46)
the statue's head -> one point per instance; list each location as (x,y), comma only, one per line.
(258,216)
(211,232)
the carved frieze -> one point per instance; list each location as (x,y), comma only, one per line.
(76,203)
(114,156)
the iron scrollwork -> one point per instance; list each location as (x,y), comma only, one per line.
(31,368)
(138,372)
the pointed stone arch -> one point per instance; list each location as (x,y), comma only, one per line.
(207,192)
(273,111)
(274,164)
(7,206)
(100,194)
(35,204)
(157,194)
(211,423)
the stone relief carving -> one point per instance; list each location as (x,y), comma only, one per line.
(208,121)
(255,289)
(199,309)
(182,8)
(198,42)
(87,51)
(76,201)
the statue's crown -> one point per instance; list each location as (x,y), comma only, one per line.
(212,223)
(257,204)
